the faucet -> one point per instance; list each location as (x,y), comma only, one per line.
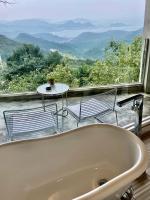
(137,107)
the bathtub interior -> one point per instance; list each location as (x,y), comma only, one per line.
(65,166)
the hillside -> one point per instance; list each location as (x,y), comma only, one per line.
(7,46)
(93,38)
(51,37)
(86,45)
(45,45)
(91,45)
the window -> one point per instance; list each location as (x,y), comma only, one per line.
(82,43)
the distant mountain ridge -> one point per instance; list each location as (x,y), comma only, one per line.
(66,28)
(7,46)
(112,34)
(45,45)
(119,24)
(33,26)
(51,37)
(92,44)
(86,45)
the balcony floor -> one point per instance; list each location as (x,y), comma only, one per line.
(125,115)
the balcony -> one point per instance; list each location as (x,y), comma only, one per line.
(30,100)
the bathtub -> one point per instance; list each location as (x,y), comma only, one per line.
(71,165)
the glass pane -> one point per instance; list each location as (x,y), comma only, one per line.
(80,43)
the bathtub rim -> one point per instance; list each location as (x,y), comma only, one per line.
(114,184)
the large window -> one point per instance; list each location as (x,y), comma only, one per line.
(82,43)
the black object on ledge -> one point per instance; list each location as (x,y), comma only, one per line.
(48,88)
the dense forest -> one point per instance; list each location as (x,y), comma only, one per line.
(27,67)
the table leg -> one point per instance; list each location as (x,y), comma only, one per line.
(43,102)
(64,96)
(66,99)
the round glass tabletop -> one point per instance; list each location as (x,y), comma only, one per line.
(56,89)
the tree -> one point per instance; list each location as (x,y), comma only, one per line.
(53,59)
(126,59)
(121,64)
(27,82)
(24,60)
(64,74)
(102,74)
(113,46)
(82,74)
(28,67)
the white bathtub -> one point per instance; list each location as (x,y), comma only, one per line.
(70,165)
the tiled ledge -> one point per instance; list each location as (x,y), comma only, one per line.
(75,92)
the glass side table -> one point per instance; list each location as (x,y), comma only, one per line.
(58,89)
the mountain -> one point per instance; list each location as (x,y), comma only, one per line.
(75,25)
(7,46)
(12,28)
(86,45)
(92,44)
(45,45)
(51,37)
(32,26)
(90,37)
(133,34)
(119,24)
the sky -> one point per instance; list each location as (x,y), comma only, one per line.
(58,10)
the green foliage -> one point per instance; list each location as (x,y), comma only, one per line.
(28,67)
(101,74)
(27,82)
(124,61)
(113,46)
(24,60)
(86,45)
(82,74)
(2,65)
(64,74)
(7,46)
(54,58)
